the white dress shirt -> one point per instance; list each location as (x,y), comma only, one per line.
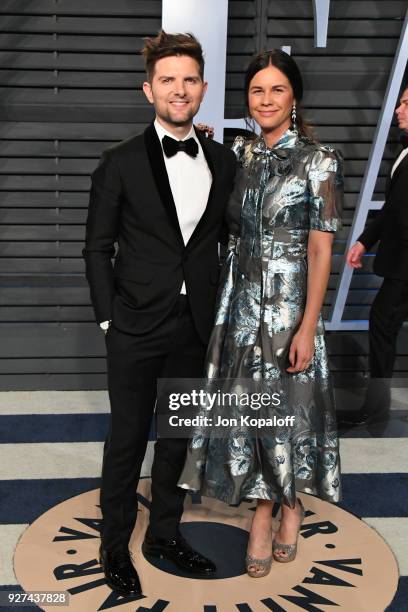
(399,159)
(190,182)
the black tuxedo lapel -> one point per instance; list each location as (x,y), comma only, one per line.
(402,167)
(156,160)
(207,151)
(209,157)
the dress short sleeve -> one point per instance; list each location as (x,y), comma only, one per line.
(325,181)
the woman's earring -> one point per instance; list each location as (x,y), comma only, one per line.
(293,115)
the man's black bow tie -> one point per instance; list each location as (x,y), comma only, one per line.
(172,146)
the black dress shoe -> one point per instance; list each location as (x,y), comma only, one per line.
(363,416)
(349,418)
(178,550)
(120,573)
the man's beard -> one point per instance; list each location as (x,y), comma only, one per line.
(180,122)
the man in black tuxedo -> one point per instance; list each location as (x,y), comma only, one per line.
(390,307)
(161,196)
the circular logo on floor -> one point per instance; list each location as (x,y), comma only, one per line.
(341,561)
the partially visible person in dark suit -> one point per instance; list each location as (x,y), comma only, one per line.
(161,196)
(390,307)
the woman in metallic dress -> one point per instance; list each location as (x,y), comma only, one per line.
(282,216)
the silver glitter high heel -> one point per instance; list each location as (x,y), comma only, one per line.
(290,550)
(261,567)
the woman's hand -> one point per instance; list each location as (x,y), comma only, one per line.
(207,129)
(301,350)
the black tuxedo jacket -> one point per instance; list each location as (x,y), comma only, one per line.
(131,203)
(390,228)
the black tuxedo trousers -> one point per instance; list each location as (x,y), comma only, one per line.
(172,350)
(387,315)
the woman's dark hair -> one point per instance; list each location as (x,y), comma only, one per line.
(286,64)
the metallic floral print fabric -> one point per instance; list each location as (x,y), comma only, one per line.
(280,195)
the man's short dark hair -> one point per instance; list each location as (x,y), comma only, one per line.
(166,45)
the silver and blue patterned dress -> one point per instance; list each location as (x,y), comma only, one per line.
(281,193)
